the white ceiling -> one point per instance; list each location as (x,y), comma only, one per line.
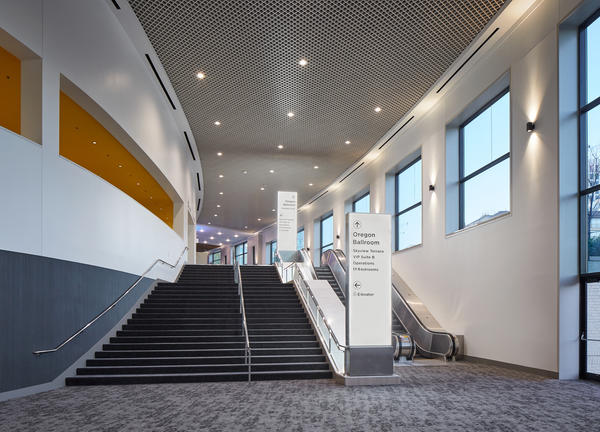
(361,54)
(220,235)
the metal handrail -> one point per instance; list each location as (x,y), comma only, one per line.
(320,312)
(97,317)
(247,348)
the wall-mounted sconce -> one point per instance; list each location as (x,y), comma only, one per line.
(530,127)
(431,188)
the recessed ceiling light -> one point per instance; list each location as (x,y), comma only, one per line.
(302,62)
(245,226)
(221,176)
(120,166)
(150,196)
(219,154)
(245,172)
(201,75)
(236,236)
(93,142)
(290,114)
(377,109)
(201,229)
(217,123)
(279,146)
(218,205)
(220,193)
(316,167)
(220,244)
(227,239)
(272,210)
(272,171)
(138,183)
(205,242)
(262,188)
(310,184)
(212,238)
(219,233)
(209,223)
(216,215)
(258,219)
(347,142)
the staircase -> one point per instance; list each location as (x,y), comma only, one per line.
(278,327)
(324,273)
(191,331)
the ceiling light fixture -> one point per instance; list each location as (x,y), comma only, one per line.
(290,114)
(377,109)
(219,154)
(258,219)
(245,172)
(279,146)
(201,75)
(205,242)
(217,123)
(316,167)
(303,62)
(236,236)
(201,230)
(218,205)
(220,193)
(221,176)
(212,238)
(120,166)
(227,239)
(310,184)
(347,142)
(262,188)
(272,210)
(272,171)
(209,223)
(219,233)
(245,226)
(93,142)
(216,215)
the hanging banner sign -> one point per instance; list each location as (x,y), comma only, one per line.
(369,263)
(287,220)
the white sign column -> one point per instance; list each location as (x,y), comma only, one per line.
(287,220)
(369,309)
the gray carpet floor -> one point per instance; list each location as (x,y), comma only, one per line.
(462,396)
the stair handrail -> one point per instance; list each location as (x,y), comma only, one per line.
(113,304)
(237,274)
(297,271)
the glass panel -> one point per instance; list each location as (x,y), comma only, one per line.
(590,128)
(591,225)
(409,228)
(362,205)
(408,186)
(593,327)
(487,136)
(300,240)
(592,69)
(327,231)
(487,194)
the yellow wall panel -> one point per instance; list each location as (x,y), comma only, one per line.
(87,143)
(10,91)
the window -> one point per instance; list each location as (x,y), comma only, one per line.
(362,204)
(271,251)
(300,239)
(326,228)
(241,253)
(214,257)
(589,192)
(408,205)
(484,171)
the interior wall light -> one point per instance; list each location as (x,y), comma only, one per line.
(431,188)
(530,127)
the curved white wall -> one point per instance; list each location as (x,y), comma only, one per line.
(59,209)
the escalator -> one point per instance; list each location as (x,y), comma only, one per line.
(410,317)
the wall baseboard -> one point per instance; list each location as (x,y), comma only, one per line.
(512,366)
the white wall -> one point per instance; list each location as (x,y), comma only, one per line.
(495,283)
(59,209)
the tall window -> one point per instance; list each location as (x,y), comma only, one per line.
(300,239)
(241,253)
(214,257)
(326,225)
(271,251)
(589,135)
(362,204)
(408,205)
(484,172)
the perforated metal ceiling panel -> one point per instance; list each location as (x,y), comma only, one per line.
(361,54)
